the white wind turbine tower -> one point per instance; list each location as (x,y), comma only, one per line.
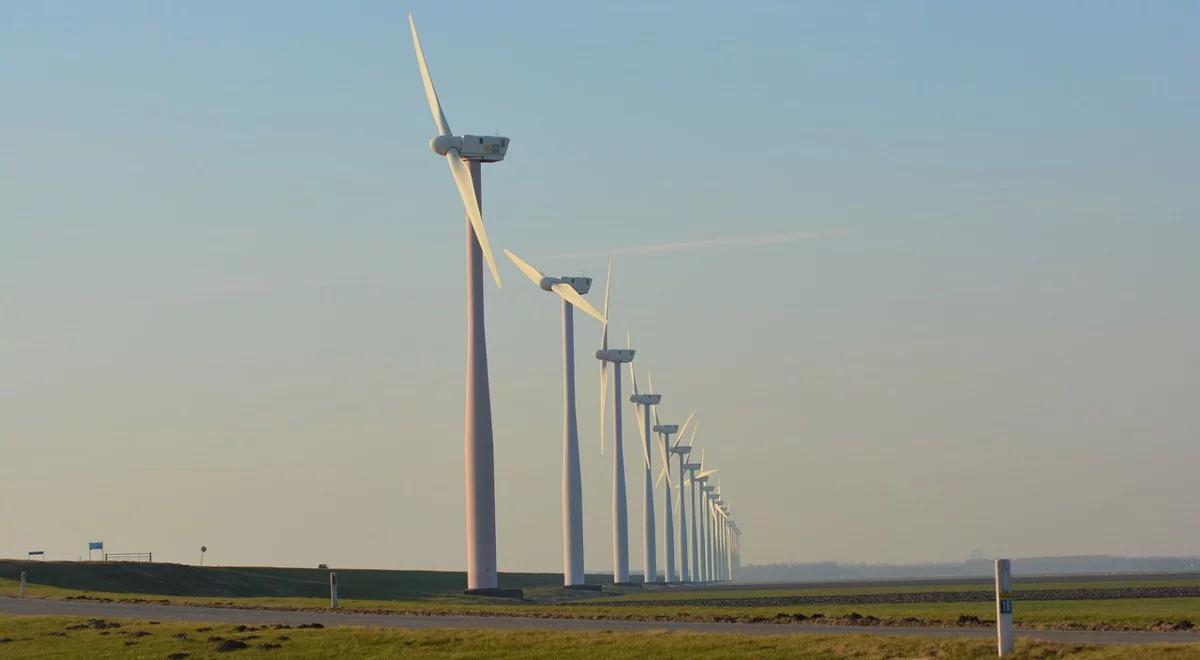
(620,514)
(571,290)
(700,516)
(687,563)
(719,513)
(709,529)
(666,431)
(681,450)
(466,154)
(692,469)
(646,401)
(720,517)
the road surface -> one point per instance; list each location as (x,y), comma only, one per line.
(156,612)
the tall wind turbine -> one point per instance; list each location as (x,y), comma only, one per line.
(649,551)
(687,568)
(699,481)
(620,514)
(692,469)
(466,154)
(666,431)
(709,529)
(571,290)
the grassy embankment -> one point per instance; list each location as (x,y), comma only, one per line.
(63,637)
(427,592)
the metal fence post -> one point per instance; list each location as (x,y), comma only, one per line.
(1004,607)
(22,584)
(333,594)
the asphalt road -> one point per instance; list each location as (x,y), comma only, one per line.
(153,612)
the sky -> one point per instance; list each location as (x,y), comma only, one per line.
(927,272)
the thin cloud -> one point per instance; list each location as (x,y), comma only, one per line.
(700,244)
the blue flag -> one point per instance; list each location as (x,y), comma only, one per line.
(95,545)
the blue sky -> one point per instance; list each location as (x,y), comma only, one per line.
(231,271)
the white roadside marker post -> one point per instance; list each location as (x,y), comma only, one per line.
(22,584)
(1004,611)
(333,595)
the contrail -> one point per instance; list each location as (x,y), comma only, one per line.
(699,244)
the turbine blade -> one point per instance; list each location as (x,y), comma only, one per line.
(435,106)
(707,473)
(569,294)
(532,273)
(607,284)
(661,475)
(466,190)
(662,452)
(692,441)
(633,377)
(637,410)
(650,384)
(682,429)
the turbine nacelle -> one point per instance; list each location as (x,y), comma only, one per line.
(682,450)
(669,429)
(486,148)
(692,466)
(581,284)
(645,399)
(707,488)
(617,355)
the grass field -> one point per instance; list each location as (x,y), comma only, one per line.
(421,592)
(62,637)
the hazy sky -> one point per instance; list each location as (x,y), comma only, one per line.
(930,278)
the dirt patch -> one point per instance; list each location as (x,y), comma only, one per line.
(231,645)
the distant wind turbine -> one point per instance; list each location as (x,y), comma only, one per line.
(642,405)
(666,431)
(620,514)
(571,290)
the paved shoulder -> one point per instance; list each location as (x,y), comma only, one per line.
(35,606)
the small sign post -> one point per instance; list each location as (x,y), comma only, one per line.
(333,595)
(94,545)
(1004,607)
(22,584)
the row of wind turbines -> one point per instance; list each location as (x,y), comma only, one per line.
(713,536)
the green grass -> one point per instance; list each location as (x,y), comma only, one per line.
(1115,614)
(43,637)
(427,592)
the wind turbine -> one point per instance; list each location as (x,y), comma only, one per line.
(620,515)
(466,154)
(666,431)
(571,290)
(724,540)
(687,569)
(700,515)
(649,551)
(706,498)
(692,469)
